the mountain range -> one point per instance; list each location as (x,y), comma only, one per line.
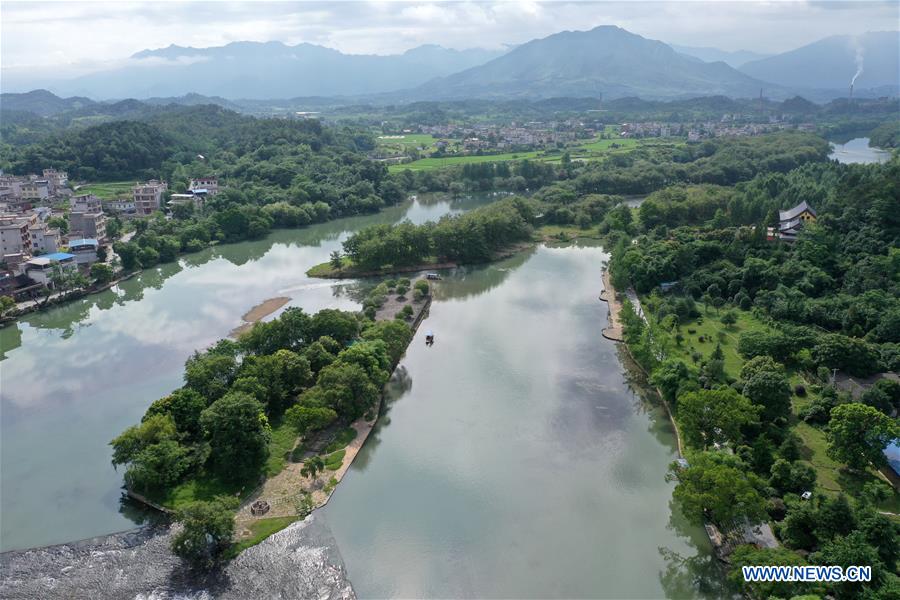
(606,61)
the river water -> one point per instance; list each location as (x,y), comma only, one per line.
(858,150)
(75,376)
(513,459)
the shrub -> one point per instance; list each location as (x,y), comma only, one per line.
(422,285)
(418,295)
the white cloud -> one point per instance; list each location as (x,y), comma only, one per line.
(82,36)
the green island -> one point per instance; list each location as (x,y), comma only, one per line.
(266,425)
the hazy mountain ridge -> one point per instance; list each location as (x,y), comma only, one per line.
(832,62)
(271,70)
(605,61)
(734,58)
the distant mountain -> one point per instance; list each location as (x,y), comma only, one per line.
(832,62)
(270,70)
(42,103)
(733,59)
(606,61)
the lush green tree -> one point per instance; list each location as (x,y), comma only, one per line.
(290,331)
(6,304)
(318,357)
(396,336)
(158,465)
(184,406)
(206,531)
(346,388)
(238,434)
(857,435)
(853,355)
(312,466)
(766,385)
(850,550)
(210,373)
(309,418)
(715,485)
(792,477)
(710,417)
(152,430)
(101,272)
(340,325)
(372,356)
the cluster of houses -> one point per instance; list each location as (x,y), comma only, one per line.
(31,250)
(696,131)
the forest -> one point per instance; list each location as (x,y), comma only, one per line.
(747,348)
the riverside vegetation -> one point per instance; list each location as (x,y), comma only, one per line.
(745,354)
(200,449)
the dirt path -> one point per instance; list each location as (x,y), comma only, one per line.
(614,330)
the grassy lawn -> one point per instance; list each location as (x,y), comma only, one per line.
(426,164)
(710,327)
(108,191)
(831,477)
(283,439)
(206,487)
(414,140)
(260,530)
(343,437)
(333,461)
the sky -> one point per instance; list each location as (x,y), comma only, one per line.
(40,38)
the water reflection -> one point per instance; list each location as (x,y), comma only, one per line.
(74,376)
(521,463)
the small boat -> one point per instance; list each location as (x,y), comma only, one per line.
(429,339)
(432,276)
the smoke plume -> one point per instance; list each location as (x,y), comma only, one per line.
(859,64)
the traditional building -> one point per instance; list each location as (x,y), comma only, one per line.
(791,221)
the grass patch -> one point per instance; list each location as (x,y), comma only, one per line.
(108,191)
(259,530)
(203,487)
(326,269)
(343,437)
(412,140)
(280,445)
(334,460)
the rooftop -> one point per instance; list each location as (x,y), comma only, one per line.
(56,256)
(793,213)
(84,242)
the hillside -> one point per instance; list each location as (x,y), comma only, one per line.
(270,70)
(606,61)
(831,63)
(734,58)
(42,103)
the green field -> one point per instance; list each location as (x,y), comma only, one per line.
(589,150)
(108,191)
(415,140)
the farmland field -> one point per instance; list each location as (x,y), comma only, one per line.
(108,191)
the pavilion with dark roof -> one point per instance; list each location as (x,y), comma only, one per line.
(791,221)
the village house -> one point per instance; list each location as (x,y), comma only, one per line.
(37,189)
(15,237)
(204,185)
(40,269)
(86,218)
(148,196)
(85,250)
(56,179)
(791,221)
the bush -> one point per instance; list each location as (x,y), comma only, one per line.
(422,285)
(418,295)
(405,313)
(401,289)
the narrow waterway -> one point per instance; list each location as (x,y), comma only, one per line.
(514,459)
(73,377)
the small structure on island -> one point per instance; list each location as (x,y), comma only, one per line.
(260,507)
(791,221)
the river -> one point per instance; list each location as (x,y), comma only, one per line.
(858,150)
(514,457)
(75,376)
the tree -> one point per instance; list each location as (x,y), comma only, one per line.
(671,376)
(312,466)
(129,254)
(336,261)
(206,531)
(101,272)
(396,336)
(729,318)
(717,485)
(6,304)
(710,417)
(846,551)
(858,434)
(158,466)
(766,385)
(309,418)
(792,477)
(338,324)
(346,388)
(853,355)
(152,430)
(210,373)
(238,435)
(184,406)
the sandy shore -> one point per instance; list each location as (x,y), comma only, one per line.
(257,313)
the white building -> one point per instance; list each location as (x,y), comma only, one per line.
(209,184)
(85,250)
(15,235)
(41,268)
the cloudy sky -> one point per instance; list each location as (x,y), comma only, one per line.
(77,37)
